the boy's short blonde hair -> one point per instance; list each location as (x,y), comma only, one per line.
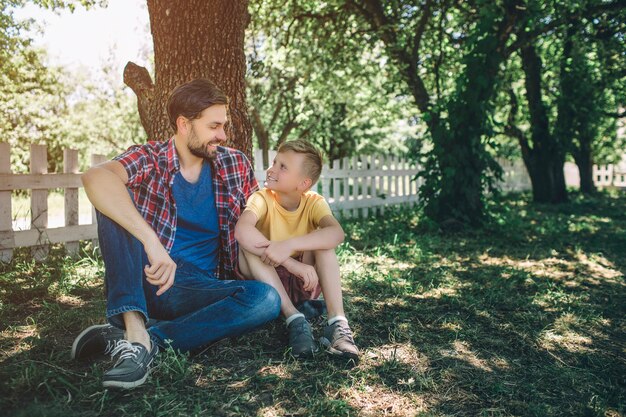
(313,158)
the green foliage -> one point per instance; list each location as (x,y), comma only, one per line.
(63,110)
(315,74)
(40,104)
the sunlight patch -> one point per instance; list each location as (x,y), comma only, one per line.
(588,268)
(569,340)
(70,300)
(599,266)
(463,351)
(565,334)
(376,400)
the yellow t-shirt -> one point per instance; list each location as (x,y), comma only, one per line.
(277,223)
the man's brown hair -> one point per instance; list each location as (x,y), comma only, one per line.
(313,158)
(191,98)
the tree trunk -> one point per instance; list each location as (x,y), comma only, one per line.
(584,161)
(545,160)
(547,177)
(194,39)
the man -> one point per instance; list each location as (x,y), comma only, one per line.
(166,218)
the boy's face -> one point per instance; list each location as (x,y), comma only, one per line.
(285,174)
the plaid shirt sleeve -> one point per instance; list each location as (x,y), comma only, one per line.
(250,184)
(136,163)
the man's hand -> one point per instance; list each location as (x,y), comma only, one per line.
(306,273)
(162,268)
(276,252)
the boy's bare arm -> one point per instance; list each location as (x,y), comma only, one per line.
(328,236)
(248,236)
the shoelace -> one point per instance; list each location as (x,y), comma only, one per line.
(109,347)
(344,332)
(126,350)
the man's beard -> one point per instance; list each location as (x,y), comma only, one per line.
(196,148)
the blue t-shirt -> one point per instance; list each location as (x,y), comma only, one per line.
(197,230)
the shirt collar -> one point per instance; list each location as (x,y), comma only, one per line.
(173,164)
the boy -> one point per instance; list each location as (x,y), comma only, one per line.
(287,237)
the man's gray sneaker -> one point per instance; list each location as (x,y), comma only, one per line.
(132,366)
(338,340)
(96,340)
(301,339)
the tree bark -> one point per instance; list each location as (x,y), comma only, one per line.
(584,161)
(545,160)
(194,39)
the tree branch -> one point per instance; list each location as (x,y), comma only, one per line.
(419,32)
(139,80)
(616,115)
(526,37)
(373,12)
(511,128)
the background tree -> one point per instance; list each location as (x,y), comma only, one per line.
(591,91)
(43,104)
(193,39)
(457,169)
(314,76)
(564,98)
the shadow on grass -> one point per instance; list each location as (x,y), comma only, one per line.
(523,317)
(515,319)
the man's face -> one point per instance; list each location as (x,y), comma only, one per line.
(286,174)
(207,131)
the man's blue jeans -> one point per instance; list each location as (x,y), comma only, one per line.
(197,310)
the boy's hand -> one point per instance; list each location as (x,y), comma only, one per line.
(275,253)
(162,268)
(306,273)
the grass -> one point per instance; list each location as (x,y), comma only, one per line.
(525,317)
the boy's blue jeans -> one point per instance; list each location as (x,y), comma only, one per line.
(197,310)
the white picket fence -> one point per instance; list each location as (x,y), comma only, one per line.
(357,186)
(361,184)
(352,186)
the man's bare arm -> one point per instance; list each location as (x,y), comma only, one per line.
(105,185)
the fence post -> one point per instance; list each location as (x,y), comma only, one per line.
(336,185)
(375,184)
(39,201)
(404,181)
(367,166)
(95,160)
(384,179)
(70,166)
(6,224)
(347,213)
(354,174)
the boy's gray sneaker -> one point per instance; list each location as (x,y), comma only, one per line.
(132,366)
(338,340)
(96,340)
(301,339)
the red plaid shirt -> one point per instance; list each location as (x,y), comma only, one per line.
(151,168)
